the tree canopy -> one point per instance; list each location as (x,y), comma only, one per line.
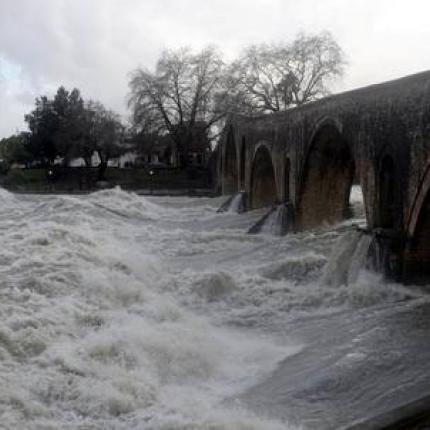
(105,134)
(13,149)
(68,127)
(187,97)
(275,77)
(187,88)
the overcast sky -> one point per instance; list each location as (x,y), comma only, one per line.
(94,44)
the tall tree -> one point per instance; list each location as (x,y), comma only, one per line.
(70,110)
(67,126)
(105,135)
(43,125)
(56,125)
(186,91)
(271,78)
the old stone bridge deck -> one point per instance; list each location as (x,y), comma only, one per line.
(378,136)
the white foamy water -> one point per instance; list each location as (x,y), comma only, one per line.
(123,312)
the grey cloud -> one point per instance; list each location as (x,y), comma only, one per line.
(94,44)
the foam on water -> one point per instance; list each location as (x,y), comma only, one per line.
(123,312)
(88,336)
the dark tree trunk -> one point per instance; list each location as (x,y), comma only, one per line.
(102,170)
(184,149)
(102,166)
(65,162)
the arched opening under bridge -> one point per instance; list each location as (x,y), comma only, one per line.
(263,184)
(327,180)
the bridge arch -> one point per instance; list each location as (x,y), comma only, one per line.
(230,170)
(327,177)
(416,260)
(263,182)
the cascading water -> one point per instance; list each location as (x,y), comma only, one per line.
(235,203)
(349,256)
(123,312)
(238,203)
(275,221)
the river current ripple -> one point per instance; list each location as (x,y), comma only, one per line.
(119,311)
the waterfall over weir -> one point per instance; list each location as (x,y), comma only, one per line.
(276,221)
(349,256)
(235,203)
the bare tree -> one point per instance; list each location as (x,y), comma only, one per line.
(187,91)
(271,78)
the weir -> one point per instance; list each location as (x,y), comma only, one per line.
(349,256)
(277,221)
(235,203)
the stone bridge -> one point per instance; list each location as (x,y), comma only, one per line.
(377,136)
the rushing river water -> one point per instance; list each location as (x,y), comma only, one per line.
(124,312)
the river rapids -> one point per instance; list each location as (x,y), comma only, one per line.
(119,311)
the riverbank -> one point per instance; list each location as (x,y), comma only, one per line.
(204,192)
(157,182)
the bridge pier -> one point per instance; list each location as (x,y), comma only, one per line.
(416,255)
(385,253)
